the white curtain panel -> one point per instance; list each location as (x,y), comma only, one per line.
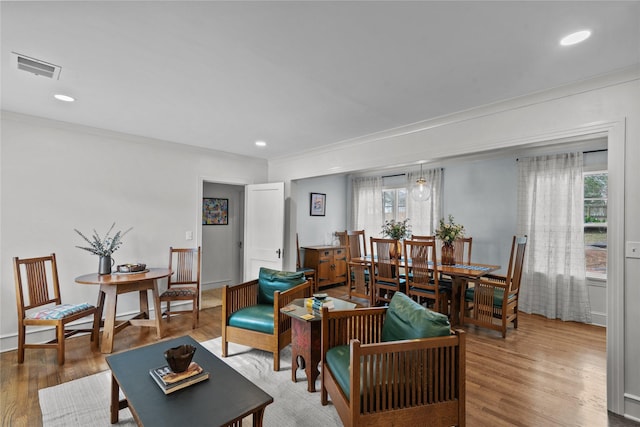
(367,205)
(424,216)
(550,212)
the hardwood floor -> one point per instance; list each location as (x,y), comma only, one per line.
(545,373)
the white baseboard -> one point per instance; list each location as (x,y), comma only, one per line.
(632,407)
(215,285)
(599,319)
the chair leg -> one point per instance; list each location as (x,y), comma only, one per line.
(60,333)
(276,360)
(21,337)
(168,312)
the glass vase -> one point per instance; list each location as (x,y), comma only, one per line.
(448,254)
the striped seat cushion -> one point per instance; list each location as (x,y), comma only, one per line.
(179,292)
(60,311)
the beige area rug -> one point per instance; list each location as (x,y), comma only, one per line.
(85,402)
(211,298)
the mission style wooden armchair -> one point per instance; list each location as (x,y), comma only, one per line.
(36,280)
(398,365)
(493,301)
(251,311)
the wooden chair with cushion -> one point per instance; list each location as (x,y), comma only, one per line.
(419,237)
(423,282)
(251,311)
(400,365)
(493,301)
(40,304)
(309,273)
(184,282)
(385,270)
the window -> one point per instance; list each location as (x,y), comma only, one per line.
(595,223)
(394,204)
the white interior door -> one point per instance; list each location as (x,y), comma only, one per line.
(264,228)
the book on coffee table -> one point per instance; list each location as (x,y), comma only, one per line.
(170,381)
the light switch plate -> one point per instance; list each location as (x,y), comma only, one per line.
(188,235)
(633,250)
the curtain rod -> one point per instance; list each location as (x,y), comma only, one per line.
(402,174)
(584,152)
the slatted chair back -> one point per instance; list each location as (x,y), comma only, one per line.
(184,282)
(41,280)
(385,269)
(357,243)
(516,263)
(423,281)
(462,250)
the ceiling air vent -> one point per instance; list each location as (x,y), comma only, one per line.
(37,67)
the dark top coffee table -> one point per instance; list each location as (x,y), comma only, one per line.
(224,399)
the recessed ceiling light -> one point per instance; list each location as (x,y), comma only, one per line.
(65,98)
(261,144)
(576,37)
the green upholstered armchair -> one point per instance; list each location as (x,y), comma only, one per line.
(251,311)
(402,363)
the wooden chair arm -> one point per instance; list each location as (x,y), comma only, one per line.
(493,280)
(282,299)
(239,296)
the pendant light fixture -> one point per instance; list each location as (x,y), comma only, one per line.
(421,190)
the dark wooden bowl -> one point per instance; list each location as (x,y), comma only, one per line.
(179,357)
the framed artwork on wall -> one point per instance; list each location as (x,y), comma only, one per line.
(215,211)
(317,205)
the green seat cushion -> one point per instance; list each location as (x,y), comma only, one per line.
(337,359)
(406,319)
(498,295)
(255,318)
(270,281)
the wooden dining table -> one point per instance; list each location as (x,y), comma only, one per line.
(460,274)
(114,284)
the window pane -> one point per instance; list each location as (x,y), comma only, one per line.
(595,219)
(595,246)
(402,204)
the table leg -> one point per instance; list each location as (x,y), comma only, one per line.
(306,343)
(144,304)
(111,297)
(257,417)
(97,319)
(457,299)
(157,308)
(115,400)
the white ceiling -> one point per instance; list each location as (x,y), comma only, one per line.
(298,75)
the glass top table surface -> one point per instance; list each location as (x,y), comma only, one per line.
(302,308)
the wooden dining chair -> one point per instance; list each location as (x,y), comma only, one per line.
(309,273)
(493,300)
(40,304)
(423,237)
(357,243)
(359,272)
(342,237)
(385,271)
(423,282)
(184,282)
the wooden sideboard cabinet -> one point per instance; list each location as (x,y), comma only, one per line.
(330,263)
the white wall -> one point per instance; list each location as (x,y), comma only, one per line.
(222,244)
(56,177)
(318,230)
(608,106)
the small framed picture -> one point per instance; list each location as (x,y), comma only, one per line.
(215,211)
(317,204)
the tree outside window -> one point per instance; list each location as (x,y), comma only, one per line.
(595,223)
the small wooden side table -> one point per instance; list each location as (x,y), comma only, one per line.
(306,336)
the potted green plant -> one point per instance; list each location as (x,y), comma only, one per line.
(104,247)
(448,232)
(398,230)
